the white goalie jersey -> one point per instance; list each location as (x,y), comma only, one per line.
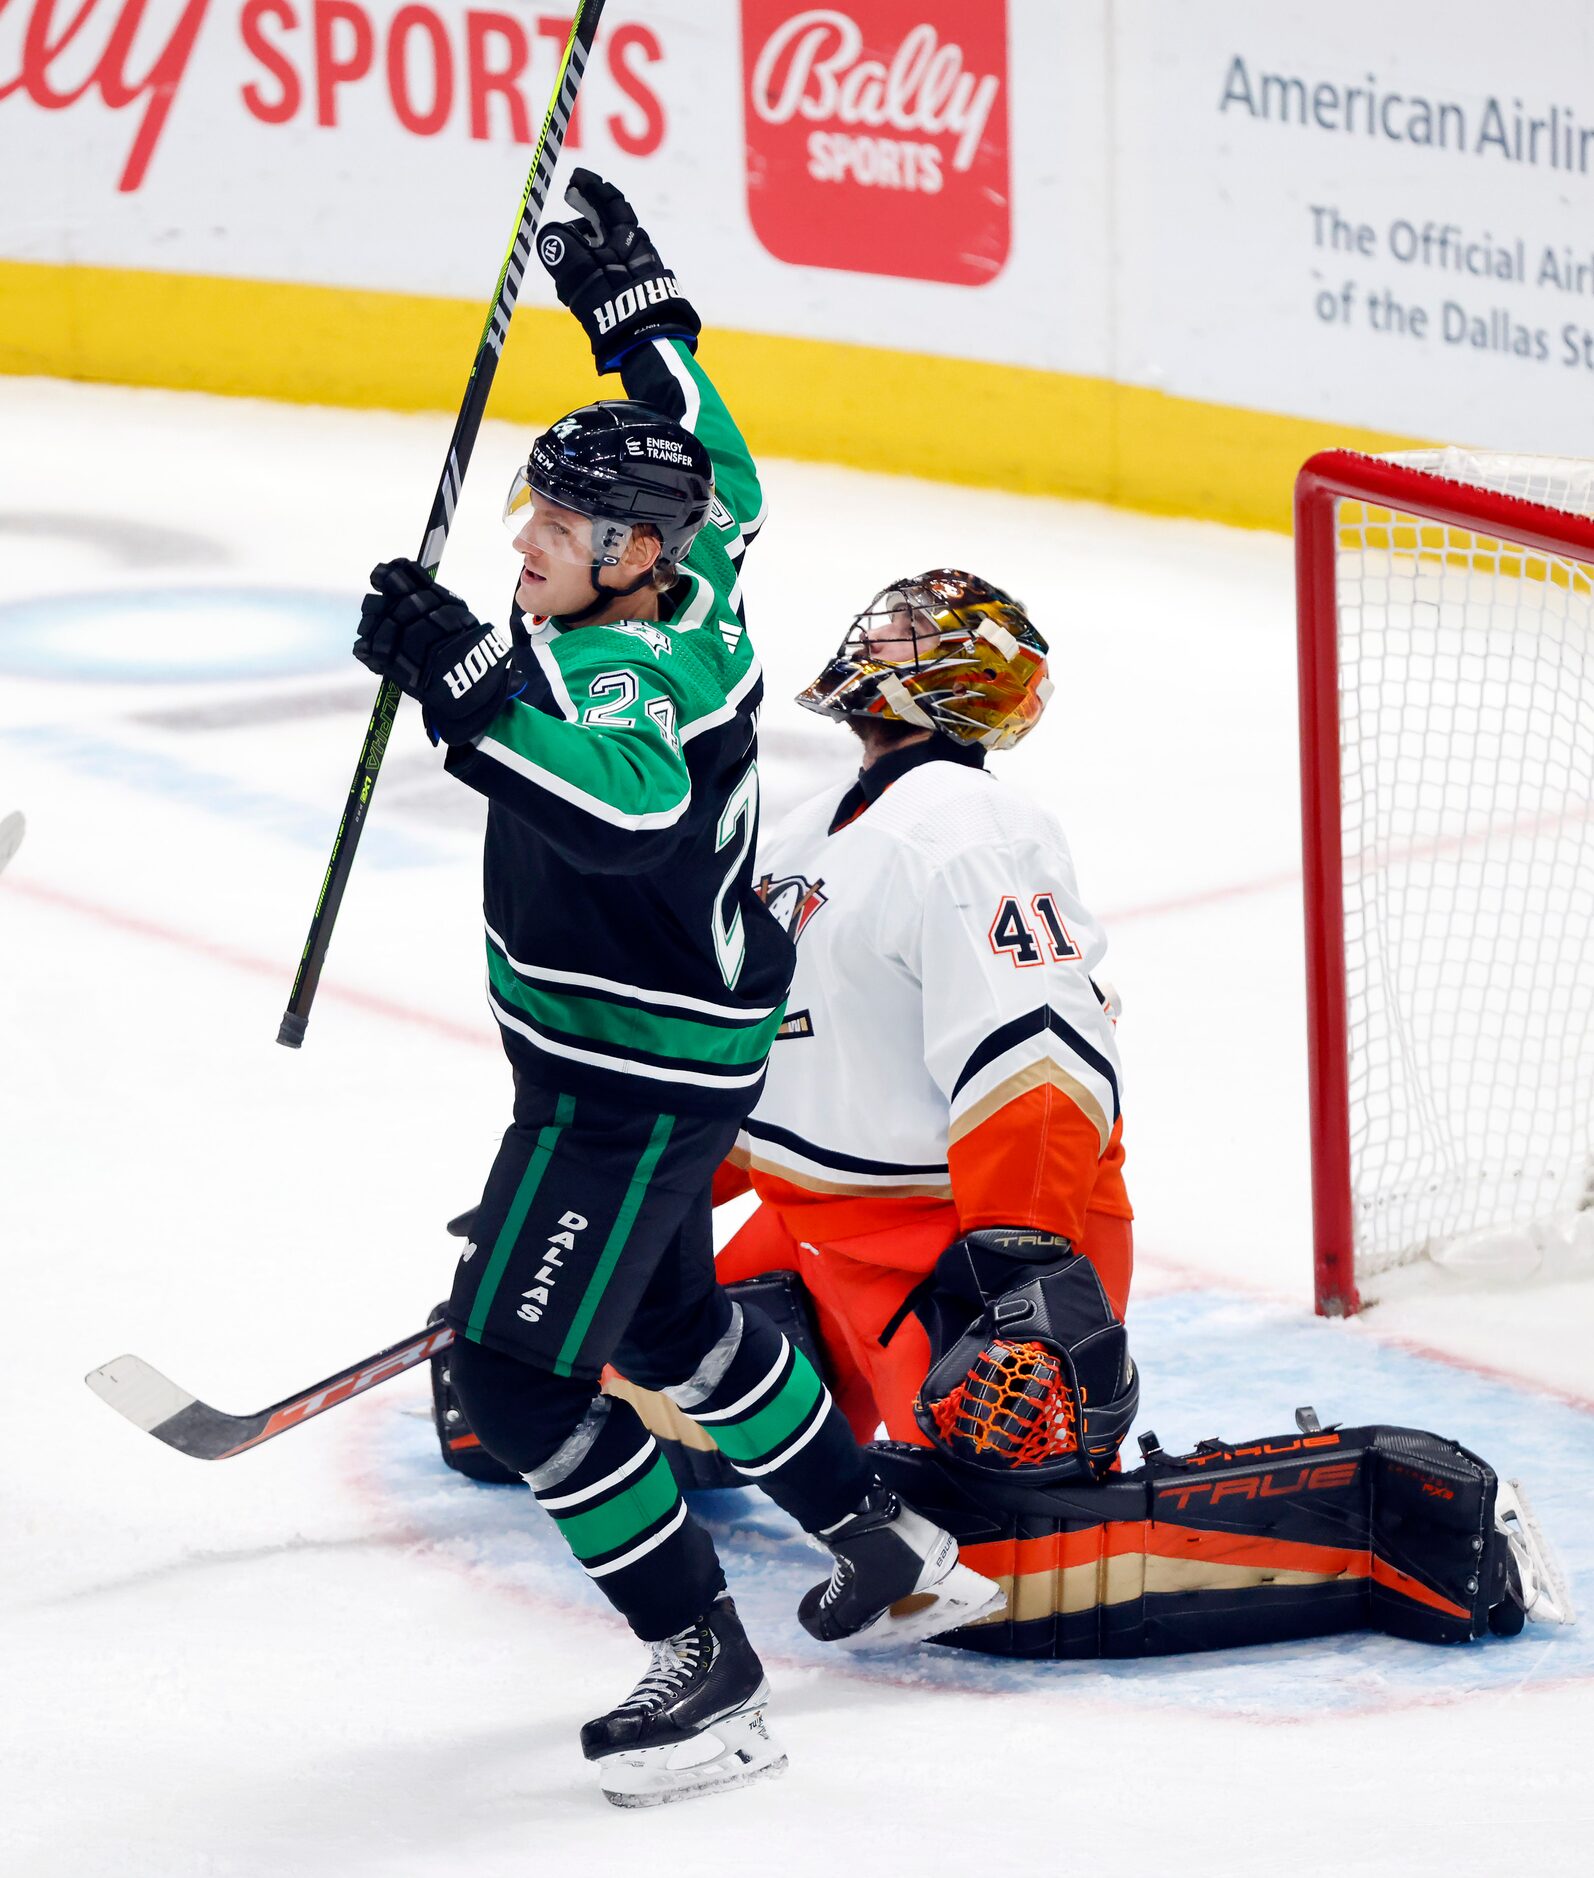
(945,1037)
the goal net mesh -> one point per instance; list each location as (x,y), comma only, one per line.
(1466,692)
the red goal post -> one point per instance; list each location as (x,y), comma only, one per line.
(1445,619)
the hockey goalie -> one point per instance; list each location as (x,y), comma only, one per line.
(943,1220)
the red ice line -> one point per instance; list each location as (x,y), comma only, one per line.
(480,1039)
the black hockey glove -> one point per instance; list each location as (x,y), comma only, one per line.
(607,271)
(431,645)
(1037,1376)
(977,1269)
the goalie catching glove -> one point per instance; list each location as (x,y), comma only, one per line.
(1041,1379)
(434,648)
(607,271)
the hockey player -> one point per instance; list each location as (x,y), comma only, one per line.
(638,982)
(942,1110)
(938,1156)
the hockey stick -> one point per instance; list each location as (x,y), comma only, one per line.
(154,1403)
(12,829)
(500,309)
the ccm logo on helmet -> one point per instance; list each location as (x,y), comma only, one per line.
(479,661)
(646,293)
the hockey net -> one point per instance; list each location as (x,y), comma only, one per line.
(1446,636)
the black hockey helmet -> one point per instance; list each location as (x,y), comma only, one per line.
(625,464)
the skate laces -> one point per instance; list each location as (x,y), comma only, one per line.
(840,1572)
(674,1662)
(879,1508)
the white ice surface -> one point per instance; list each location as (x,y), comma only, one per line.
(330,1656)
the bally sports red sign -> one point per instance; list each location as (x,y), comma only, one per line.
(877,135)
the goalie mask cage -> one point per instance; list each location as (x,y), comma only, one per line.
(1445,606)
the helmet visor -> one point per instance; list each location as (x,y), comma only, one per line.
(537,523)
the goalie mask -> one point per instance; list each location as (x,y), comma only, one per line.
(1040,1385)
(945,651)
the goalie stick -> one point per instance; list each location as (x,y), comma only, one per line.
(583,28)
(154,1403)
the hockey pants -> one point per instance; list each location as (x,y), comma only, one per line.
(592,1245)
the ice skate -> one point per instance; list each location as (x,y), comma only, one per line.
(896,1580)
(694,1723)
(1535,1589)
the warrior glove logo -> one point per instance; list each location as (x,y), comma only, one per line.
(552,249)
(490,650)
(646,293)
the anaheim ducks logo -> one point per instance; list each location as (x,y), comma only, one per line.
(793,900)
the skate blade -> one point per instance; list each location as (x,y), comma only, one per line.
(1553,1602)
(961,1597)
(655,1777)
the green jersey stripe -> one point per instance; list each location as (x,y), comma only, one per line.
(624,1518)
(629,769)
(592,1020)
(702,1077)
(650,1544)
(756,1436)
(515,1218)
(727,710)
(497,750)
(643,994)
(619,1233)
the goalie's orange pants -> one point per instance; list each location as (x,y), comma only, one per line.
(859,1285)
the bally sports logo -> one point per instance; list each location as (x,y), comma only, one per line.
(877,135)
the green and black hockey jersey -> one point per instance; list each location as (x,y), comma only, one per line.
(627,954)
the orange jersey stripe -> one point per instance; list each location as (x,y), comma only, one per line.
(1037,1161)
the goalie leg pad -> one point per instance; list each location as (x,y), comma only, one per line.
(1300,1535)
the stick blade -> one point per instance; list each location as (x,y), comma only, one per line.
(136,1390)
(12,828)
(153,1402)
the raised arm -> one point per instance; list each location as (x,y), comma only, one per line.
(639,323)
